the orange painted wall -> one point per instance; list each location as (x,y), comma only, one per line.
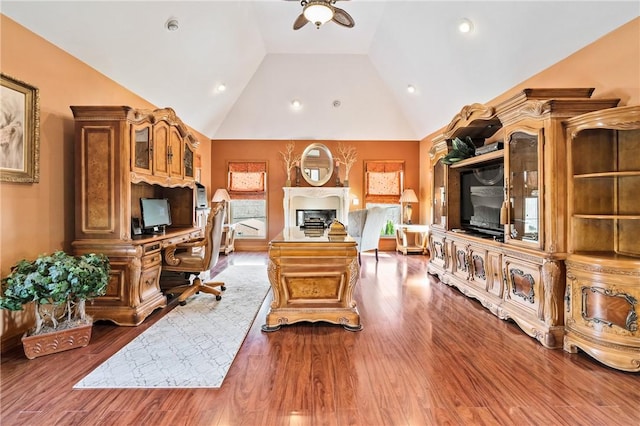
(611,65)
(269,150)
(39,218)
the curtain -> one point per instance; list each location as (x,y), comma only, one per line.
(383,181)
(247,180)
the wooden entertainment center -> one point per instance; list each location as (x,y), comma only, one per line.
(558,253)
(121,155)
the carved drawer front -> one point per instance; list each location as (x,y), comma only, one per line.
(602,303)
(523,283)
(461,262)
(151,260)
(494,278)
(479,267)
(437,246)
(150,281)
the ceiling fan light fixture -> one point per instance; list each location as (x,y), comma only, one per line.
(318,12)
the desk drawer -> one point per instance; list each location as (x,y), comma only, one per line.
(151,260)
(177,240)
(151,248)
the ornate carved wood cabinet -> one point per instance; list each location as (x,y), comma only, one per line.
(603,266)
(121,155)
(498,228)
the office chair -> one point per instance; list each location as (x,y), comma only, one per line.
(195,257)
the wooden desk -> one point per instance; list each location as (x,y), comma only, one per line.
(133,291)
(412,238)
(313,279)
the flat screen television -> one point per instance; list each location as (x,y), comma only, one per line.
(481,197)
(156,214)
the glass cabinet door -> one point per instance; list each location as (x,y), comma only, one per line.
(142,149)
(189,169)
(439,214)
(524,188)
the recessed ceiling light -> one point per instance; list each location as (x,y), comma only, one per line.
(221,87)
(172,25)
(296,104)
(411,88)
(337,103)
(465,26)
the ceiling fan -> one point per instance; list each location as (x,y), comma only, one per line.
(321,11)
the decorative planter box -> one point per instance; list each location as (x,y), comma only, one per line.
(56,341)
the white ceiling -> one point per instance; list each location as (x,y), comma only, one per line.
(251,47)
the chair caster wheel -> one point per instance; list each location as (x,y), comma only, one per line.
(184,302)
(223,288)
(218,297)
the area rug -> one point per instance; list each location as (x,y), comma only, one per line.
(194,345)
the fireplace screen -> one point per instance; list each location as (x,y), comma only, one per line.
(325,216)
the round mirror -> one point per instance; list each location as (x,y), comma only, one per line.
(316,164)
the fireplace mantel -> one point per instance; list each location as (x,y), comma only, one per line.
(315,198)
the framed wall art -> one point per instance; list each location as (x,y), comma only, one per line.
(19,131)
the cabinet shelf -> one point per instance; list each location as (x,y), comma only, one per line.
(603,262)
(489,156)
(607,216)
(603,257)
(606,174)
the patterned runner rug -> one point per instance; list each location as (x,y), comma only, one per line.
(192,346)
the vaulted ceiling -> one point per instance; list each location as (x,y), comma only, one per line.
(351,83)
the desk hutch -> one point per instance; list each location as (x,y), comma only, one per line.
(121,155)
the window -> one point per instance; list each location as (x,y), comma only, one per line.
(247,187)
(384,181)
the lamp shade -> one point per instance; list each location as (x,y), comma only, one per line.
(408,196)
(221,194)
(318,12)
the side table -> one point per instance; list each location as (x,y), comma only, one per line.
(412,238)
(228,238)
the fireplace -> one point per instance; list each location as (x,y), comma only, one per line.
(315,216)
(318,199)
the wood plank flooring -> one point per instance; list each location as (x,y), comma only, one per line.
(427,356)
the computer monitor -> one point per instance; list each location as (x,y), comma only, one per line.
(156,214)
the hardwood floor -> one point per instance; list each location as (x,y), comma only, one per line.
(427,355)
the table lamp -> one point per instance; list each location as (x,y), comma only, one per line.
(408,196)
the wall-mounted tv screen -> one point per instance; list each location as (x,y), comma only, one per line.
(156,213)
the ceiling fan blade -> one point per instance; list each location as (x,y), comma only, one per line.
(300,22)
(342,18)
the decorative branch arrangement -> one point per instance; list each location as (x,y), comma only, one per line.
(347,156)
(290,158)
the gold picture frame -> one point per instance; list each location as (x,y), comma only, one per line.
(19,131)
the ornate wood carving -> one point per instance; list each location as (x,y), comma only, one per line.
(551,275)
(610,307)
(522,285)
(478,267)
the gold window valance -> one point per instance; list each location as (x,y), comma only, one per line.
(247,179)
(383,181)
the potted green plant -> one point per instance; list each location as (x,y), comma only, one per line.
(58,285)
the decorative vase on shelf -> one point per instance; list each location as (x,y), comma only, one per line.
(345,182)
(287,182)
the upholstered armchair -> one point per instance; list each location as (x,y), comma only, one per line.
(195,257)
(365,227)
